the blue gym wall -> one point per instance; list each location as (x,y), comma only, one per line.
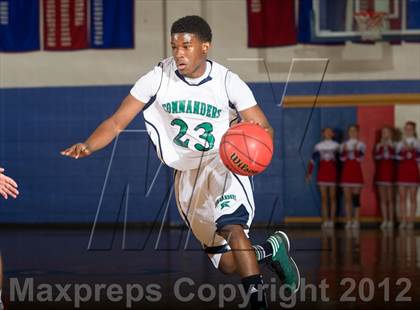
(37,123)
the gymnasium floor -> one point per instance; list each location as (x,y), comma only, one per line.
(339,269)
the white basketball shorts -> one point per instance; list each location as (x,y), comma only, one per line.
(211,197)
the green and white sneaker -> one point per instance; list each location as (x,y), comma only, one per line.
(282,263)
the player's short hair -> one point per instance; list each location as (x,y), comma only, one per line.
(193,24)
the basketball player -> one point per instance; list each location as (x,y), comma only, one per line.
(188,103)
(8,187)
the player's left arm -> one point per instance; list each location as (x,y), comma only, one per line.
(254,114)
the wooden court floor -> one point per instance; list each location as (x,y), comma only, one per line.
(143,269)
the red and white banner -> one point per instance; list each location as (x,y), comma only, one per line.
(271,23)
(65,24)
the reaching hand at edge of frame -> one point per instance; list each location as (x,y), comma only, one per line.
(8,186)
(78,150)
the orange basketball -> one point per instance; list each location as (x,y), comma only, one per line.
(246,149)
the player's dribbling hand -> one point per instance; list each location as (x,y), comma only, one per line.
(8,186)
(76,151)
(254,122)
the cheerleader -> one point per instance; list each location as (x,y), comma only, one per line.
(384,177)
(326,152)
(352,152)
(408,175)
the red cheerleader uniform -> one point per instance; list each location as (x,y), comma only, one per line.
(408,156)
(326,151)
(385,167)
(351,154)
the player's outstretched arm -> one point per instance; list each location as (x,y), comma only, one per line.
(8,186)
(107,130)
(256,115)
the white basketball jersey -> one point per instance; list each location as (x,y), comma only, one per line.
(187,121)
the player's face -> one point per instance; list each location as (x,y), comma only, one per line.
(190,54)
(353,133)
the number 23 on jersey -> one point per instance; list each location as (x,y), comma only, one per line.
(206,136)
